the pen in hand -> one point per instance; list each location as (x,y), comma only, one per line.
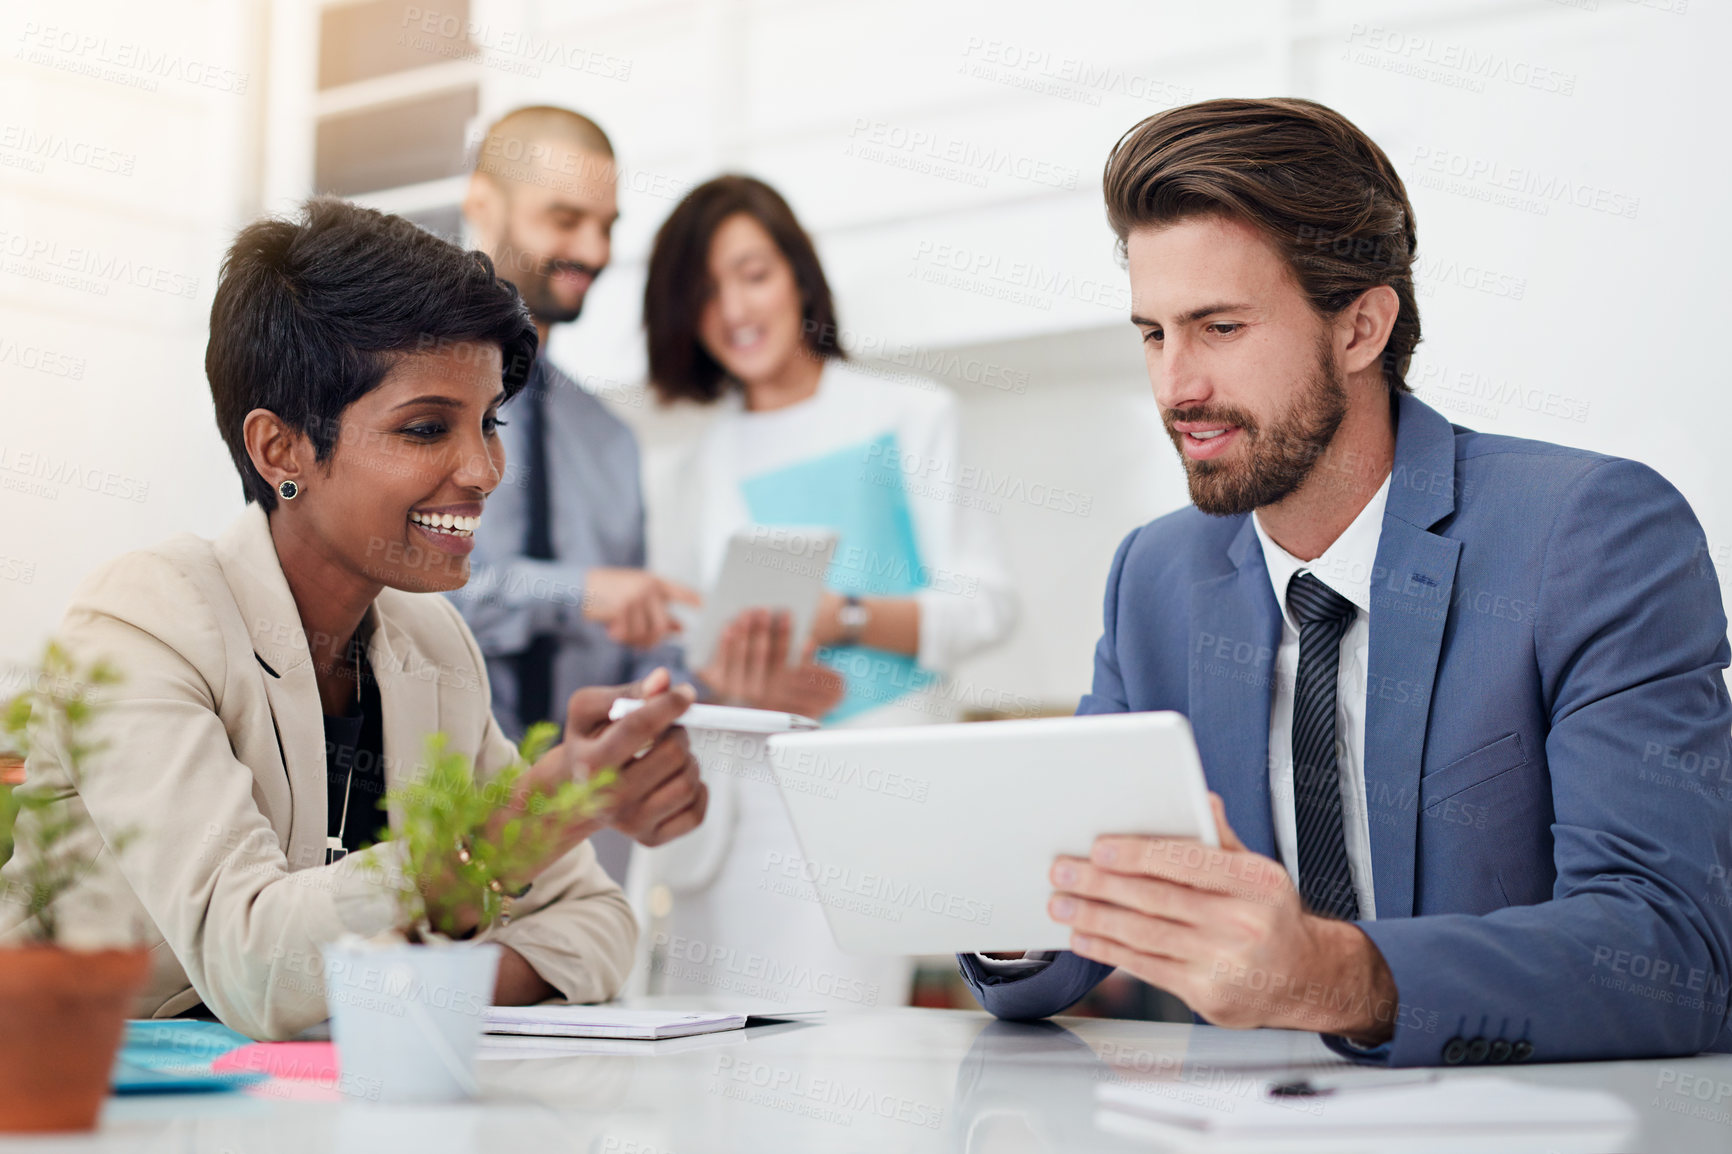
(726,717)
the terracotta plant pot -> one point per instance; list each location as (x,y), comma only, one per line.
(64,1011)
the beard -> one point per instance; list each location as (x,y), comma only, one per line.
(1278,458)
(533,275)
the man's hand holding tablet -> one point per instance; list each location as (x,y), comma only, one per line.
(1225,931)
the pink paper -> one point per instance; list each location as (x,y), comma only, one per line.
(294,1061)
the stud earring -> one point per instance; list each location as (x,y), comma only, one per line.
(289,490)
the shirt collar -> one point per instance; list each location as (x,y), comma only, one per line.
(1345,566)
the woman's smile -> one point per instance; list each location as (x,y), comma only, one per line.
(449,529)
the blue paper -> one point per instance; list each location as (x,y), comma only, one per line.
(858,492)
(174,1055)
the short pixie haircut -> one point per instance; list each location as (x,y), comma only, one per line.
(310,315)
(1303,175)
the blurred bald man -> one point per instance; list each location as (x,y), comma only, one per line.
(558,595)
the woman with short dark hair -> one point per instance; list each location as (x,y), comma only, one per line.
(278,679)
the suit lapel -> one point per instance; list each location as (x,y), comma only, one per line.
(1412,587)
(408,683)
(250,566)
(1235,630)
(409,695)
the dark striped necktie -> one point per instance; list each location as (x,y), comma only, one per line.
(1325,880)
(535,664)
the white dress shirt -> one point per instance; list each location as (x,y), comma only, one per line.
(1346,568)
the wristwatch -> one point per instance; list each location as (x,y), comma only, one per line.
(853,617)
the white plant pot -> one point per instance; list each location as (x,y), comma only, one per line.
(407,1019)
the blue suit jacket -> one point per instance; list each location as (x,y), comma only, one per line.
(1547,764)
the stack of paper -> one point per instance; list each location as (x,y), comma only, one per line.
(505,1047)
(606,1022)
(757,1010)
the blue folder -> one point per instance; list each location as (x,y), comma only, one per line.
(174,1056)
(858,491)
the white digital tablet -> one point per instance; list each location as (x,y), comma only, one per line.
(765,567)
(937,839)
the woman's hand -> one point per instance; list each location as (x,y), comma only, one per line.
(808,689)
(656,796)
(827,619)
(892,623)
(751,668)
(750,651)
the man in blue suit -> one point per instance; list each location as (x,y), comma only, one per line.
(1460,695)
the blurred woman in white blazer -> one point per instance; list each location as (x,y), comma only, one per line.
(739,318)
(277,680)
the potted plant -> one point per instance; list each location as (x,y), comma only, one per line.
(408,1007)
(64,1008)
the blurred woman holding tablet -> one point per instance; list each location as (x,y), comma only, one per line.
(739,319)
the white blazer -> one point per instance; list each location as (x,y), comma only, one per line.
(215,765)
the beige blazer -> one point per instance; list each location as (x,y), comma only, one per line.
(215,763)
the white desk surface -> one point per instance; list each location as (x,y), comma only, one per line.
(883,1080)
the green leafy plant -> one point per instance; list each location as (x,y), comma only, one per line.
(445,808)
(41,824)
(8,805)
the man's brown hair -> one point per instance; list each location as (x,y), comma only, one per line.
(678,284)
(1303,175)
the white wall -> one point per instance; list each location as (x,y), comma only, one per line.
(1582,307)
(127,135)
(1606,324)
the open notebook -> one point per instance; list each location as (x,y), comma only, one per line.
(607,1022)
